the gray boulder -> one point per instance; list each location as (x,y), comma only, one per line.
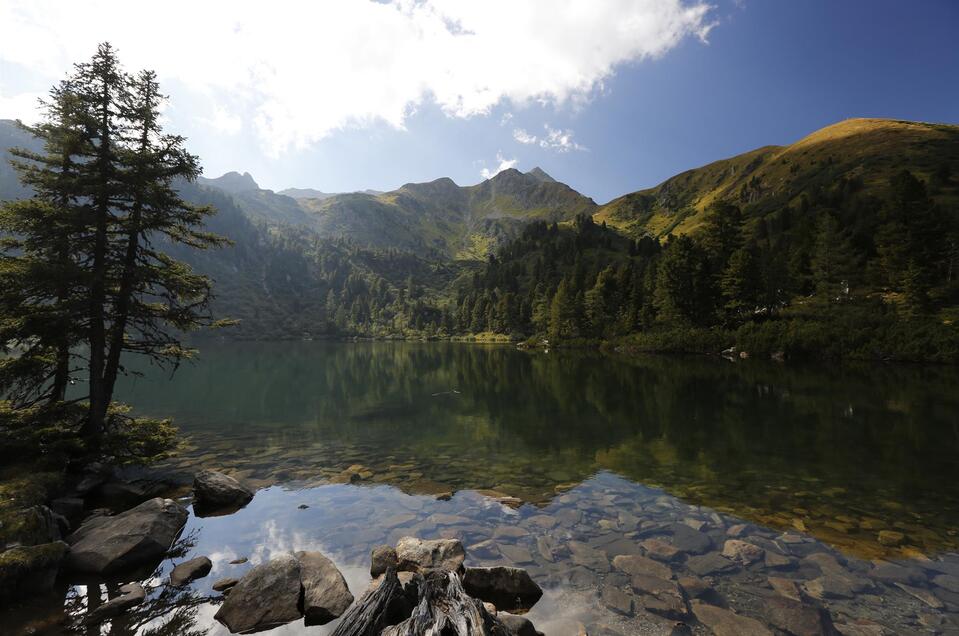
(509,589)
(131,595)
(215,493)
(190,571)
(139,536)
(325,592)
(266,597)
(418,555)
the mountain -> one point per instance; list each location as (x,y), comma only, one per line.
(437,219)
(232,182)
(862,152)
(310,193)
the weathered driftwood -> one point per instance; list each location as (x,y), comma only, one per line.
(372,613)
(445,609)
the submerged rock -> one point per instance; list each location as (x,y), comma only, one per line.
(726,623)
(418,555)
(139,536)
(509,589)
(266,597)
(742,551)
(190,571)
(131,595)
(325,592)
(215,493)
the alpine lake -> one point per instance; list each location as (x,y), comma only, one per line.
(845,478)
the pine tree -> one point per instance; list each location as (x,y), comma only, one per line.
(105,184)
(741,282)
(834,263)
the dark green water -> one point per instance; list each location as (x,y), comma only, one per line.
(558,463)
(871,446)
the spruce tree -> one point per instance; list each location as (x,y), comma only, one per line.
(91,251)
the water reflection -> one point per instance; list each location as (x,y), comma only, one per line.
(840,452)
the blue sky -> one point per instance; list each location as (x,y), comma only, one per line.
(609,97)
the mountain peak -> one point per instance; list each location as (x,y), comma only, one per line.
(232,182)
(540,174)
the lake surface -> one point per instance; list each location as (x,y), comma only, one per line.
(558,462)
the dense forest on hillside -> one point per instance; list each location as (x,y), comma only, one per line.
(842,273)
(829,247)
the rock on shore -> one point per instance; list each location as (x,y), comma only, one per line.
(215,493)
(139,536)
(283,590)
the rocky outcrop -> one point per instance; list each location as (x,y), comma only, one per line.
(419,555)
(282,590)
(325,592)
(190,570)
(266,597)
(215,493)
(139,536)
(509,589)
(517,625)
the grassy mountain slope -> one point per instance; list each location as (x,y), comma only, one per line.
(868,151)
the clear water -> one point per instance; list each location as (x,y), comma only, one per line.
(591,454)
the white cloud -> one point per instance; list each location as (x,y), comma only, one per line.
(502,163)
(554,139)
(224,121)
(524,137)
(303,70)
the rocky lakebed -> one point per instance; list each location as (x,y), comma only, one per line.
(604,557)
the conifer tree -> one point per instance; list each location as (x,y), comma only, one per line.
(90,251)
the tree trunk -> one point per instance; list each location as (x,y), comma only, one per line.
(93,427)
(371,614)
(124,296)
(445,609)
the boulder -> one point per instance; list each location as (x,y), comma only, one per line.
(509,589)
(266,597)
(139,536)
(190,571)
(215,493)
(382,558)
(418,555)
(71,508)
(222,585)
(517,625)
(131,595)
(30,570)
(36,525)
(325,593)
(120,495)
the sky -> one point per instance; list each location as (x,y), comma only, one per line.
(609,96)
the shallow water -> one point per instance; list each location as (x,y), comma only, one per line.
(561,461)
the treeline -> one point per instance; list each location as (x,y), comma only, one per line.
(837,253)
